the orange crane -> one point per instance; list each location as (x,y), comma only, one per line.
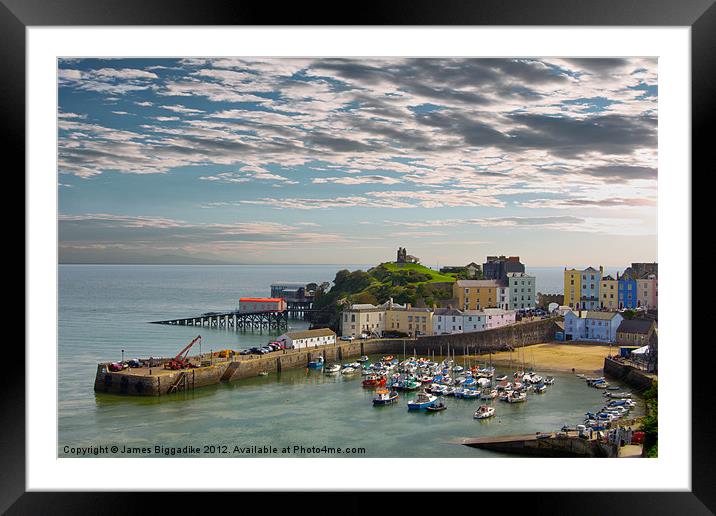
(180,361)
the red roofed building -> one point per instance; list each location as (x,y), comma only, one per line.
(261,304)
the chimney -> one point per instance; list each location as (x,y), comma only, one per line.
(601,270)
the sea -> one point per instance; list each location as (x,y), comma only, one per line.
(105,313)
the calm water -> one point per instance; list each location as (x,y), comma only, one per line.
(104,309)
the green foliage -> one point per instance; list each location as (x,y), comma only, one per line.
(405,283)
(628,314)
(650,423)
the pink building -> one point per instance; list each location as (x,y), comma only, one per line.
(261,304)
(647,294)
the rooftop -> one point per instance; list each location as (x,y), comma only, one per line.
(601,316)
(260,300)
(307,334)
(480,283)
(635,326)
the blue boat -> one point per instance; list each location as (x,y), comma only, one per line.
(316,364)
(422,401)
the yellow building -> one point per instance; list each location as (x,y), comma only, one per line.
(479,294)
(609,293)
(406,319)
(572,287)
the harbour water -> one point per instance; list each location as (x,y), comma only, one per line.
(105,309)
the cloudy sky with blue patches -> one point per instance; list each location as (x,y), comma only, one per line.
(343,160)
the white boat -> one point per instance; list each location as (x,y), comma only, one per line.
(363,359)
(348,370)
(517,397)
(331,369)
(484,412)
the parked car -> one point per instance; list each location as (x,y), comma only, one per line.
(245,352)
(348,337)
(363,336)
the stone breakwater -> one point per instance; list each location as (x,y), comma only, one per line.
(158,381)
(628,374)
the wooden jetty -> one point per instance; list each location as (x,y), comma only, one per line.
(234,320)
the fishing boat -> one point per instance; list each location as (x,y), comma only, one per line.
(471,394)
(385,397)
(484,412)
(438,389)
(348,370)
(539,389)
(374,381)
(263,373)
(332,368)
(388,358)
(316,364)
(489,394)
(549,380)
(517,397)
(363,359)
(422,401)
(438,407)
(501,378)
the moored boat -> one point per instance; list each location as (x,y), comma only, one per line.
(437,407)
(385,397)
(422,401)
(374,381)
(484,412)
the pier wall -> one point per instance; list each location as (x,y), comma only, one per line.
(132,383)
(628,374)
(498,339)
(555,446)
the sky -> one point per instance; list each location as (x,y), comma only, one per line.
(288,160)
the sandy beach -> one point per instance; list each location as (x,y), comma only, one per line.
(584,358)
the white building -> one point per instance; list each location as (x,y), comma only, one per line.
(593,326)
(447,321)
(363,318)
(487,319)
(308,338)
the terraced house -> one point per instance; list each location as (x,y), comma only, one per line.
(389,317)
(591,325)
(609,293)
(581,288)
(479,294)
(521,291)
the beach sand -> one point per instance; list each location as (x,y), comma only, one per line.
(584,358)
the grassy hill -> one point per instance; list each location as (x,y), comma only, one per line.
(397,269)
(404,282)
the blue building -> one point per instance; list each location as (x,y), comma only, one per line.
(627,290)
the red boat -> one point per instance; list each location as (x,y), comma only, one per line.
(374,381)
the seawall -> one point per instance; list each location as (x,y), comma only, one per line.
(628,374)
(158,381)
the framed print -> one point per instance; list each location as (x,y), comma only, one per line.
(271,247)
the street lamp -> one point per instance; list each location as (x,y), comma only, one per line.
(122,355)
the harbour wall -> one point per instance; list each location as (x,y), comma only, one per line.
(628,374)
(240,367)
(554,446)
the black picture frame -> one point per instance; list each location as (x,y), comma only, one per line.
(700,15)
